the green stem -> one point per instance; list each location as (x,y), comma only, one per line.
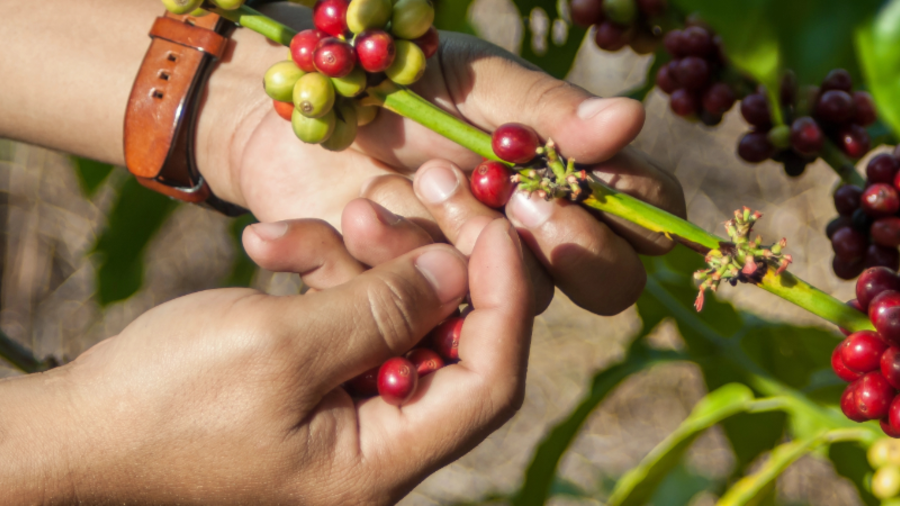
(842,165)
(407,103)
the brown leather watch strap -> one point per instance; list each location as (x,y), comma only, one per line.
(162,108)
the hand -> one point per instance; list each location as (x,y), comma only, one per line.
(233,397)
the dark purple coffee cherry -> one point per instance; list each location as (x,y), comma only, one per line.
(755,109)
(755,147)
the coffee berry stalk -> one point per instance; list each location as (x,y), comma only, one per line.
(550,175)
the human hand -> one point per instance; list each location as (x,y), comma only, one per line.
(233,397)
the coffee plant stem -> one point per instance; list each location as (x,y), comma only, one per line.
(19,356)
(842,165)
(407,103)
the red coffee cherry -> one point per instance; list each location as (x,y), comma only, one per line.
(665,79)
(429,43)
(894,415)
(445,338)
(853,140)
(755,109)
(873,282)
(426,361)
(884,311)
(847,199)
(838,79)
(303,45)
(873,396)
(865,109)
(849,406)
(397,381)
(807,137)
(284,109)
(888,429)
(847,269)
(684,102)
(838,366)
(330,16)
(515,143)
(890,366)
(674,43)
(886,232)
(835,106)
(837,224)
(755,147)
(611,37)
(880,200)
(696,41)
(718,99)
(692,72)
(366,384)
(334,57)
(879,256)
(861,352)
(376,50)
(586,12)
(491,184)
(882,169)
(849,244)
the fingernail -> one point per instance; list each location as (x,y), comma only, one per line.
(529,211)
(592,107)
(384,216)
(437,184)
(270,231)
(445,274)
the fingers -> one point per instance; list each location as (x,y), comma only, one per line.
(396,194)
(444,191)
(374,235)
(311,248)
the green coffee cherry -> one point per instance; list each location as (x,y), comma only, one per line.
(365,14)
(305,3)
(344,129)
(409,64)
(886,482)
(280,80)
(365,114)
(352,84)
(780,136)
(884,452)
(199,13)
(228,5)
(182,6)
(314,95)
(313,130)
(622,12)
(412,18)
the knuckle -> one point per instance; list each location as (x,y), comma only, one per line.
(392,309)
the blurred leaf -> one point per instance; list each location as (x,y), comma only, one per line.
(752,490)
(557,60)
(680,486)
(850,462)
(134,219)
(563,487)
(878,45)
(637,486)
(452,15)
(91,174)
(791,354)
(242,269)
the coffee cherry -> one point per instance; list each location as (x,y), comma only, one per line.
(855,305)
(755,147)
(303,45)
(313,130)
(674,43)
(865,109)
(515,143)
(652,8)
(330,16)
(586,12)
(491,184)
(228,5)
(718,99)
(886,482)
(849,406)
(886,232)
(755,109)
(884,311)
(397,381)
(692,72)
(665,79)
(284,109)
(880,200)
(873,282)
(429,43)
(365,114)
(837,224)
(426,361)
(835,106)
(847,199)
(847,269)
(409,64)
(376,50)
(622,12)
(839,368)
(445,338)
(890,366)
(610,36)
(334,57)
(838,79)
(412,18)
(853,140)
(181,6)
(352,84)
(882,169)
(794,164)
(366,384)
(873,396)
(849,244)
(780,137)
(888,429)
(696,41)
(787,91)
(883,452)
(367,14)
(314,95)
(879,256)
(684,102)
(806,136)
(280,79)
(345,127)
(862,221)
(894,416)
(861,352)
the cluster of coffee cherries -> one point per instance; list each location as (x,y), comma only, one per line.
(870,360)
(695,78)
(884,457)
(195,7)
(397,378)
(814,115)
(867,232)
(355,44)
(621,22)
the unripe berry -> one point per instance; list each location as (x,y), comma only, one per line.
(412,18)
(366,384)
(807,137)
(755,147)
(491,184)
(365,114)
(334,57)
(886,482)
(397,381)
(515,143)
(181,6)
(345,127)
(352,84)
(330,16)
(280,80)
(445,338)
(884,452)
(303,45)
(586,12)
(409,64)
(228,5)
(314,95)
(780,137)
(886,232)
(426,361)
(429,42)
(375,50)
(313,130)
(284,109)
(622,12)
(365,14)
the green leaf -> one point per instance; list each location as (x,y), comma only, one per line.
(637,486)
(752,490)
(878,46)
(91,174)
(242,269)
(134,219)
(850,462)
(557,60)
(791,354)
(680,486)
(453,15)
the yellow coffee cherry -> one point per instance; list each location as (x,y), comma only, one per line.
(313,130)
(365,114)
(885,451)
(181,6)
(228,5)
(886,482)
(409,64)
(314,95)
(365,14)
(352,84)
(412,18)
(280,80)
(344,129)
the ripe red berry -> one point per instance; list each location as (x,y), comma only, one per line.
(861,352)
(696,41)
(850,244)
(807,137)
(692,72)
(894,415)
(838,366)
(865,108)
(665,79)
(837,224)
(718,99)
(873,396)
(684,102)
(879,256)
(334,57)
(674,43)
(847,269)
(445,338)
(835,106)
(849,406)
(880,200)
(284,109)
(397,381)
(376,50)
(882,169)
(884,312)
(515,143)
(755,147)
(873,282)
(890,366)
(426,361)
(491,184)
(886,232)
(330,16)
(838,79)
(429,42)
(366,384)
(611,37)
(755,109)
(889,430)
(586,12)
(303,45)
(847,199)
(853,140)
